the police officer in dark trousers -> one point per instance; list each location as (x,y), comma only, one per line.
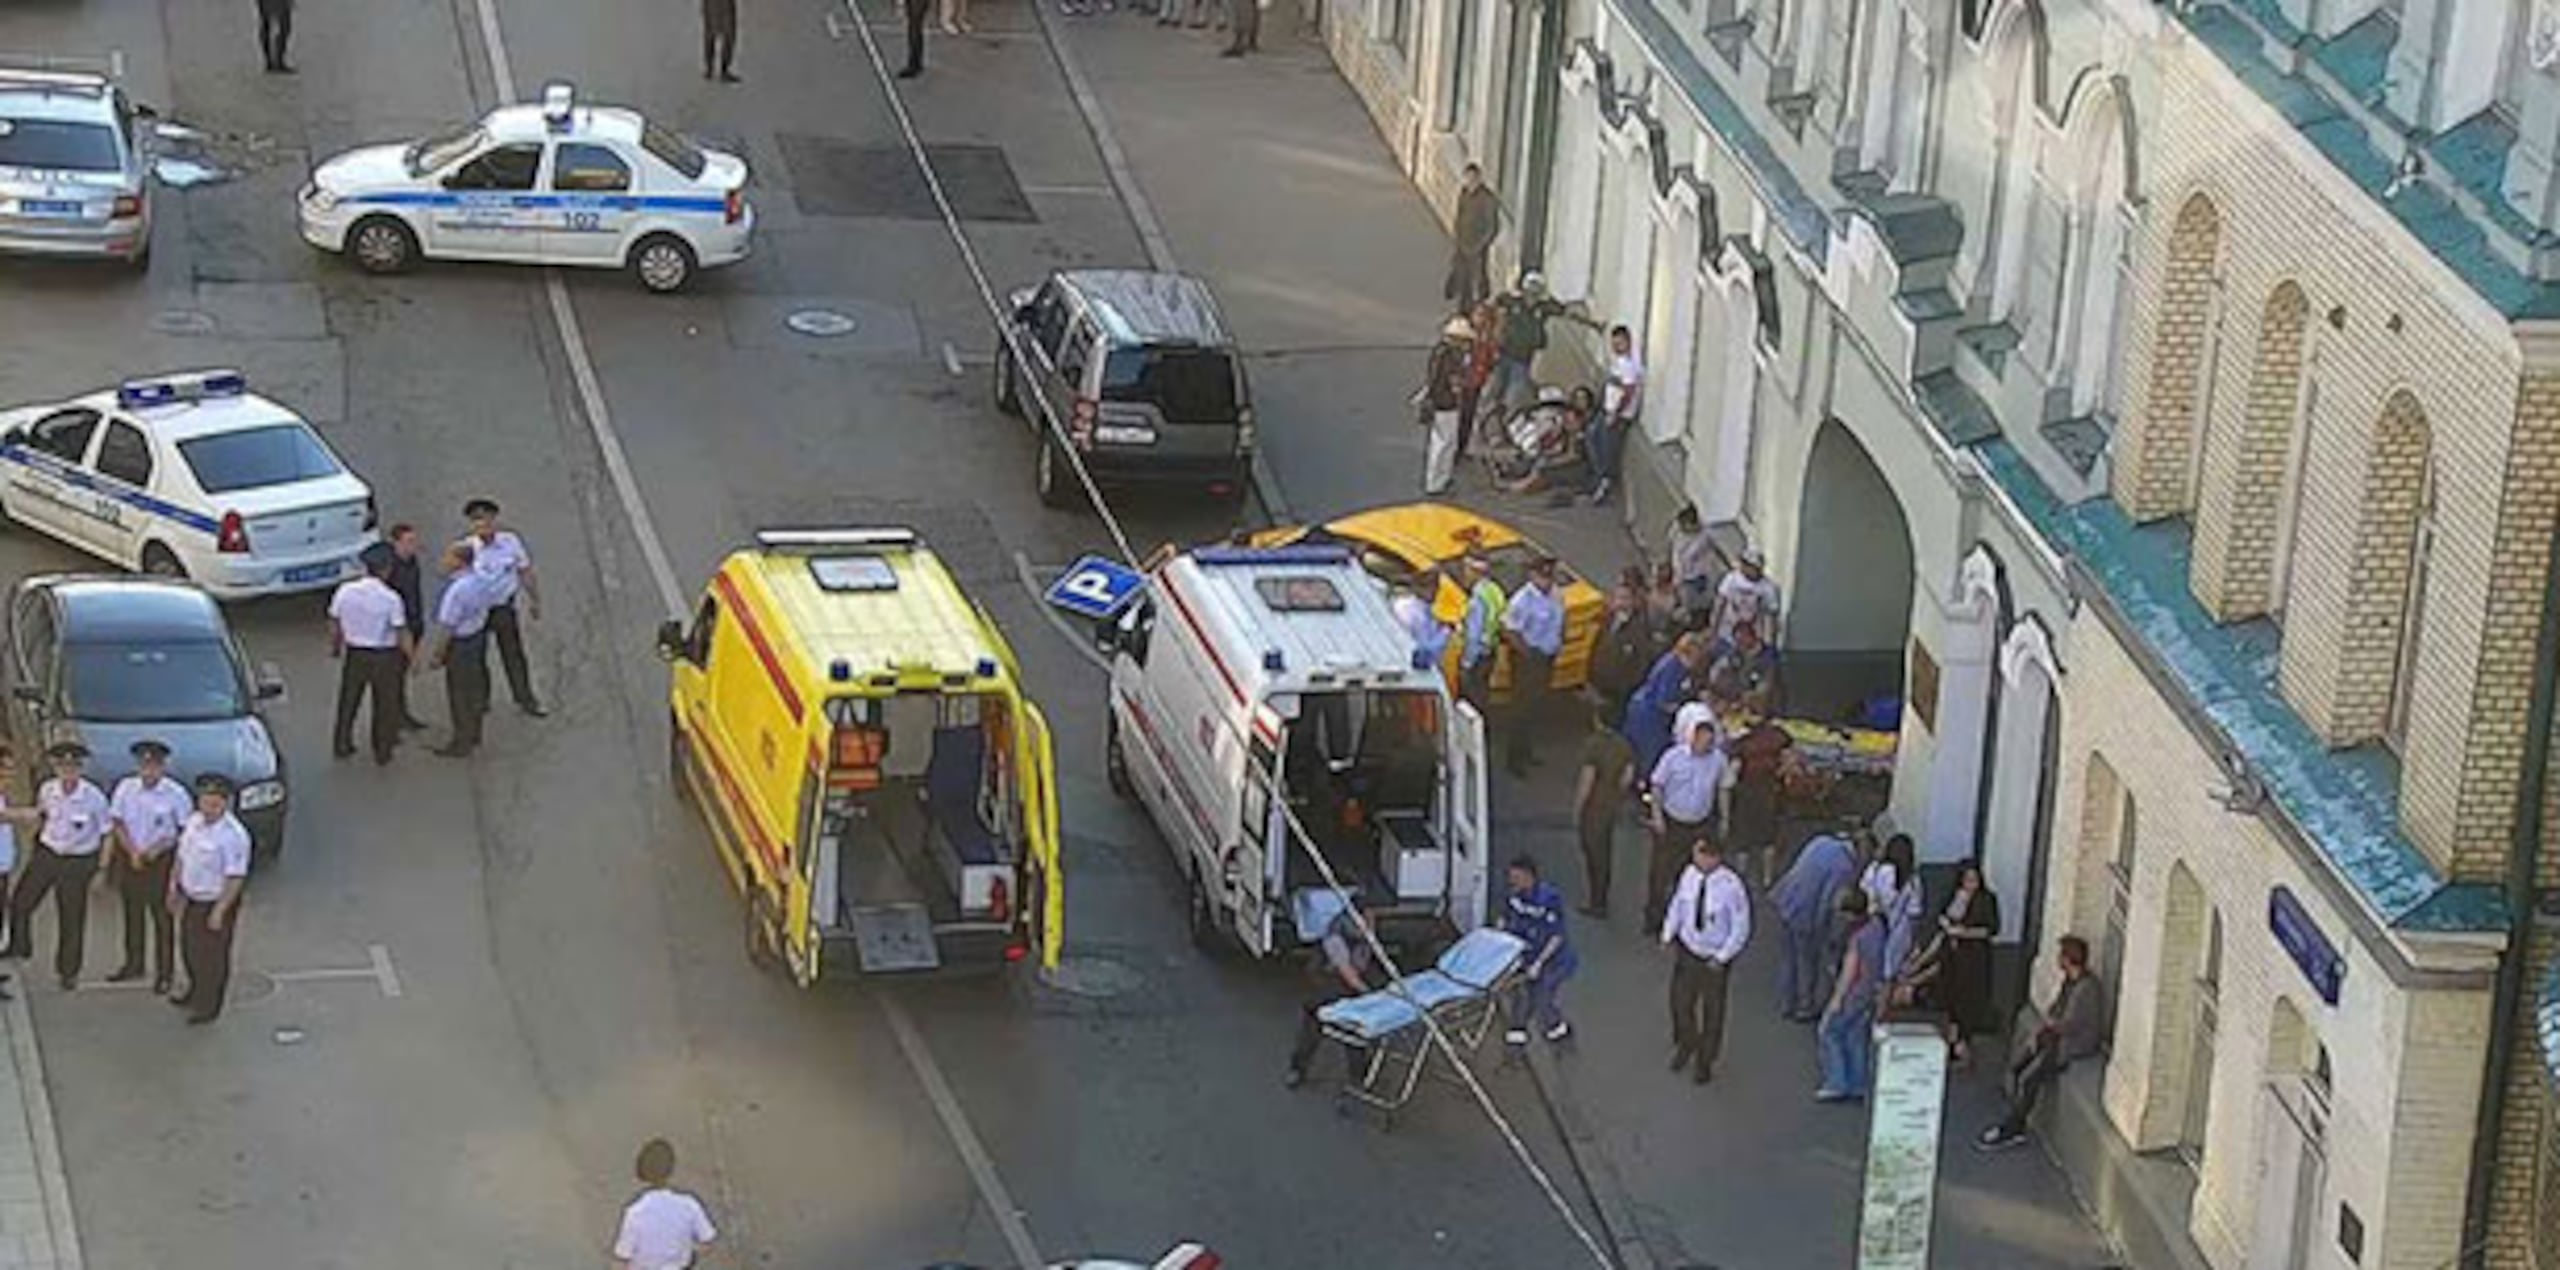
(915,39)
(369,634)
(147,811)
(73,829)
(1244,21)
(463,620)
(719,39)
(275,30)
(499,555)
(204,891)
(407,578)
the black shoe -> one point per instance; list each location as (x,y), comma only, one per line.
(413,725)
(726,77)
(180,1001)
(1706,1072)
(382,758)
(1596,912)
(282,68)
(160,986)
(125,974)
(535,708)
(1295,1077)
(199,1020)
(452,751)
(342,751)
(1680,1056)
(70,983)
(910,72)
(1231,52)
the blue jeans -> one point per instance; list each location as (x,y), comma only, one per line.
(1508,386)
(1800,971)
(1601,444)
(1845,1052)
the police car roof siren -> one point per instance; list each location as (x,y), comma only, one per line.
(195,385)
(559,100)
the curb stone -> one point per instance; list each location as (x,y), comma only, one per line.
(1591,1165)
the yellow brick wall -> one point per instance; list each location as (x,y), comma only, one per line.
(2530,496)
(2511,1186)
(2166,329)
(2382,318)
(2406,1063)
(2244,466)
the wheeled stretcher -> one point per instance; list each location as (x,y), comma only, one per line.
(1385,1029)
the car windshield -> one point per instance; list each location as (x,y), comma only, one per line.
(59,144)
(113,682)
(439,150)
(672,149)
(254,458)
(1187,385)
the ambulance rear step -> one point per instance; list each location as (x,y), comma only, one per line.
(894,938)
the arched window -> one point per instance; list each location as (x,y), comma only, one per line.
(2097,285)
(2184,350)
(2386,592)
(2413,609)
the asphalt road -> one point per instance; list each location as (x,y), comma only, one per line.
(566,975)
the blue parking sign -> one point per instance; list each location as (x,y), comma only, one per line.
(1096,588)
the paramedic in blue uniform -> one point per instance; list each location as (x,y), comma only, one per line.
(465,615)
(1534,911)
(497,552)
(73,831)
(205,883)
(146,810)
(1339,968)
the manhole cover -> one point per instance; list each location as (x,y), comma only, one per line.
(1094,977)
(830,177)
(823,323)
(182,322)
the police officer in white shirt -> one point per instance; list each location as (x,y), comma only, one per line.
(146,811)
(74,829)
(369,633)
(465,615)
(663,1228)
(204,891)
(1685,784)
(1709,922)
(1533,629)
(499,553)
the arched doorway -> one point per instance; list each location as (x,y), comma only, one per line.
(1967,646)
(2017,819)
(1851,613)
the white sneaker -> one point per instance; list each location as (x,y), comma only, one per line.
(1516,1036)
(1560,1031)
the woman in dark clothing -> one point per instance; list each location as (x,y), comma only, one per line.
(1968,924)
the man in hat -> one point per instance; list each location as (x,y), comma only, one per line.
(465,612)
(1443,391)
(369,635)
(1747,594)
(74,829)
(1480,630)
(204,891)
(499,553)
(1522,335)
(147,810)
(1533,630)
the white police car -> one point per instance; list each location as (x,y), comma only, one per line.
(188,476)
(558,183)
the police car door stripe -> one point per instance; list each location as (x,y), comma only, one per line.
(116,490)
(543,202)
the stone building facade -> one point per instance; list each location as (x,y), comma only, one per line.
(2164,400)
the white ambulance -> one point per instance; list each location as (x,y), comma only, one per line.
(1254,687)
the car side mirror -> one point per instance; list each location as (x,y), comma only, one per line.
(269,682)
(670,640)
(1106,637)
(145,111)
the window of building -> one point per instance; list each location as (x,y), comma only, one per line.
(2413,615)
(1394,24)
(2119,899)
(1457,109)
(2289,493)
(2043,257)
(2208,1022)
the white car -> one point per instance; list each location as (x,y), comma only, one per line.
(188,476)
(556,184)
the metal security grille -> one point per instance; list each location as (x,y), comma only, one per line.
(831,177)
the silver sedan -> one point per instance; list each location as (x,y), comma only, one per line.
(74,181)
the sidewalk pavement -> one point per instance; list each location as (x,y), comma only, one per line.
(36,1229)
(1265,176)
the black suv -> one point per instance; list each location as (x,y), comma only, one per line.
(1140,372)
(108,661)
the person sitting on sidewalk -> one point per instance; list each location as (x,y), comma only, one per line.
(2074,1027)
(1544,442)
(1848,1022)
(1806,897)
(1534,911)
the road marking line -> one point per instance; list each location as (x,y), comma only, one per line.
(982,1168)
(1094,191)
(1040,599)
(382,970)
(955,1121)
(950,358)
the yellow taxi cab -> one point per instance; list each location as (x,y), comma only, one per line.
(1397,542)
(854,730)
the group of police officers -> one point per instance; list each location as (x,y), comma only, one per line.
(380,630)
(178,862)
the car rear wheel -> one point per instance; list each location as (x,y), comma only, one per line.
(662,263)
(381,244)
(679,760)
(764,946)
(1206,933)
(160,562)
(1057,482)
(1115,762)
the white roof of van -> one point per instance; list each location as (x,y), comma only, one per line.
(1286,648)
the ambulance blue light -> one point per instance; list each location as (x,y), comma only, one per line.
(986,668)
(1303,553)
(840,670)
(1421,659)
(139,394)
(1272,661)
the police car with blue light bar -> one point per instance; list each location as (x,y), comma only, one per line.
(557,183)
(192,476)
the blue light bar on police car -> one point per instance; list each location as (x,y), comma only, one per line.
(559,100)
(1302,553)
(137,394)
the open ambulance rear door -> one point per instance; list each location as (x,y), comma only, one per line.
(1470,819)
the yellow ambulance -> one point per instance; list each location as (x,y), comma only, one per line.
(854,730)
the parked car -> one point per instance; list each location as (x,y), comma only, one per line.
(1142,374)
(1183,1257)
(75,178)
(108,661)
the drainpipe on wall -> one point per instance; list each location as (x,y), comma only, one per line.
(1546,75)
(2507,1005)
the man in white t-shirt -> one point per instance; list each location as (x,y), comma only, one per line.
(663,1228)
(501,556)
(1621,401)
(1747,594)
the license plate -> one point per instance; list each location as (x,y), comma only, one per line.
(311,573)
(51,207)
(1109,434)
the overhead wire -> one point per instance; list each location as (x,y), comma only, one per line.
(1057,437)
